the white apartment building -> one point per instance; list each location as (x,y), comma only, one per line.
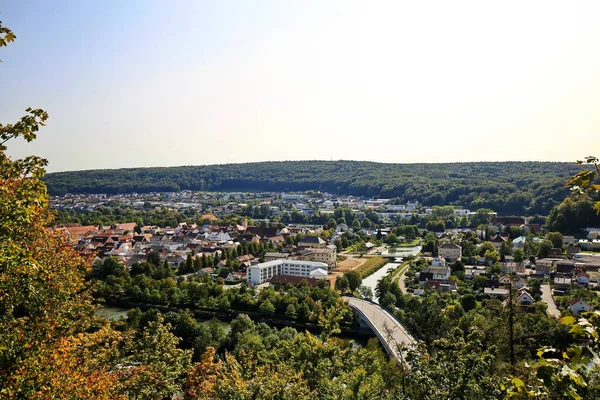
(263,272)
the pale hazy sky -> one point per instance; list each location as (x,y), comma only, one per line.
(160,83)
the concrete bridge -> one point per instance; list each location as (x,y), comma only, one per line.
(390,332)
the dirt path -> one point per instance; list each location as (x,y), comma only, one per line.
(350,264)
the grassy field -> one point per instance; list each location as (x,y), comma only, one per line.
(371,265)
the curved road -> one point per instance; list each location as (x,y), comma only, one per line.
(387,328)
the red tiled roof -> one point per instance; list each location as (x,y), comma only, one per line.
(292,280)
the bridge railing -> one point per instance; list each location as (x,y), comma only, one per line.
(379,335)
(388,311)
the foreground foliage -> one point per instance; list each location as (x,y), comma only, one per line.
(51,344)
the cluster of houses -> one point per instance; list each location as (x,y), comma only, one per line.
(221,204)
(133,244)
(565,270)
(436,276)
(564,273)
(592,240)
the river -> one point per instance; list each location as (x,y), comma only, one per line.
(114,313)
(399,252)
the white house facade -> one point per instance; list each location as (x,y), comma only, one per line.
(579,306)
(450,251)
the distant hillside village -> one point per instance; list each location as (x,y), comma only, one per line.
(288,238)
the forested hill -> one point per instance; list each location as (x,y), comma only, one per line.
(507,187)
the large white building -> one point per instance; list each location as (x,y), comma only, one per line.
(263,272)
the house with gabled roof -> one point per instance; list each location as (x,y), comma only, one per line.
(312,241)
(497,242)
(583,278)
(226,275)
(505,280)
(525,298)
(577,306)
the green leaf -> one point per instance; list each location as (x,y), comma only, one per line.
(545,373)
(518,383)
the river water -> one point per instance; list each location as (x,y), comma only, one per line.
(114,313)
(400,252)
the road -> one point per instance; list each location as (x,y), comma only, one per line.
(387,328)
(400,278)
(549,300)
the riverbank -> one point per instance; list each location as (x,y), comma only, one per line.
(398,272)
(371,266)
(398,275)
(391,267)
(413,243)
(278,322)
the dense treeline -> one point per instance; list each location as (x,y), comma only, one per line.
(573,215)
(506,187)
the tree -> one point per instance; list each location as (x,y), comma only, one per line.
(485,247)
(330,321)
(388,301)
(425,319)
(391,238)
(365,292)
(331,224)
(109,266)
(519,255)
(468,302)
(479,282)
(51,343)
(583,182)
(378,235)
(354,280)
(198,264)
(290,311)
(505,249)
(431,244)
(384,285)
(544,249)
(492,256)
(154,258)
(366,223)
(556,238)
(342,284)
(267,308)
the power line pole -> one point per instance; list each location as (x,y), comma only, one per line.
(510,324)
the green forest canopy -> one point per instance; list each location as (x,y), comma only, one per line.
(506,187)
